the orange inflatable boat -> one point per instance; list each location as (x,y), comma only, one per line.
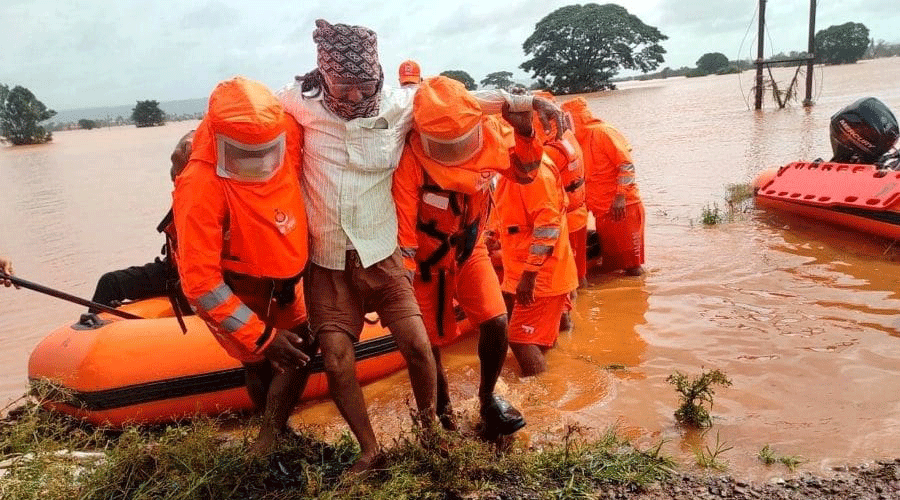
(859,197)
(147,371)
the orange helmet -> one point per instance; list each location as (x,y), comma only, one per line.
(409,72)
(448,120)
(249,127)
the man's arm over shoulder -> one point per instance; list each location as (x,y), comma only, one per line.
(291,98)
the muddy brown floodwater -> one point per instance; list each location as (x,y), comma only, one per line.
(805,320)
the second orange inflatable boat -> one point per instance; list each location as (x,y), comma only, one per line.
(859,197)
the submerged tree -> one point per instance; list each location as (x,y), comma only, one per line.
(87,124)
(843,44)
(711,62)
(461,76)
(147,114)
(579,48)
(20,113)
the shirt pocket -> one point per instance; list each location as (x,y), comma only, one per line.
(374,145)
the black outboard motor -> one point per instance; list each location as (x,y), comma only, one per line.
(863,131)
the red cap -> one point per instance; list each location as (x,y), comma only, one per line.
(409,72)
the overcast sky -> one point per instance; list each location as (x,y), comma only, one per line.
(84,53)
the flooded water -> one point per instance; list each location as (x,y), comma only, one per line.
(804,320)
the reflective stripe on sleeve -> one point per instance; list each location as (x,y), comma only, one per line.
(215,297)
(626,180)
(545,232)
(628,167)
(237,319)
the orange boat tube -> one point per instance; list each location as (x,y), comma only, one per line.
(147,371)
(858,197)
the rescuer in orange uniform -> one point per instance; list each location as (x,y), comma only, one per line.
(569,160)
(539,271)
(242,245)
(612,194)
(442,192)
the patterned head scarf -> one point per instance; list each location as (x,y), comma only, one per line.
(348,52)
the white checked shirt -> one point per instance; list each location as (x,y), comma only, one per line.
(347,169)
(347,172)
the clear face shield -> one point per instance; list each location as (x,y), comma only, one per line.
(249,162)
(455,151)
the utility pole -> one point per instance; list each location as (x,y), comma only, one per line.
(760,56)
(811,53)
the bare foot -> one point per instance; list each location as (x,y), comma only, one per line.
(264,443)
(364,463)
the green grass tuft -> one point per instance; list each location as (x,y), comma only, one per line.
(768,457)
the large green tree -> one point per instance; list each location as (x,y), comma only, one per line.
(461,76)
(20,113)
(579,48)
(842,44)
(498,80)
(147,114)
(712,62)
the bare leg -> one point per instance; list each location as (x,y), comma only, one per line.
(284,392)
(500,417)
(412,340)
(258,377)
(530,358)
(340,360)
(492,346)
(444,408)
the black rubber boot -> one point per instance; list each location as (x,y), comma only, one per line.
(500,418)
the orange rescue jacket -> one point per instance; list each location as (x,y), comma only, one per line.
(252,228)
(609,170)
(533,233)
(441,210)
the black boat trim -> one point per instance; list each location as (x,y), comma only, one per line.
(879,216)
(191,385)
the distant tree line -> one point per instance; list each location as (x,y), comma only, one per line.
(118,121)
(840,44)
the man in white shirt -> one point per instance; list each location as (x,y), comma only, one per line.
(354,130)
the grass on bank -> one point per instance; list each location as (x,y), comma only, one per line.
(49,456)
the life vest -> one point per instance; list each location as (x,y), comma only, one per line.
(448,226)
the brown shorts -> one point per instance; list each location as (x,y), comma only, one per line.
(338,300)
